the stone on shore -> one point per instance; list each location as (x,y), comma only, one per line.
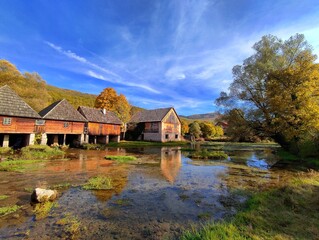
(40,195)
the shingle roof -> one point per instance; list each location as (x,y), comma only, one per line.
(97,115)
(155,115)
(13,105)
(62,110)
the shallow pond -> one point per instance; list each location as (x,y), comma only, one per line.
(157,196)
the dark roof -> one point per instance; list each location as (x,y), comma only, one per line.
(13,105)
(155,115)
(97,115)
(62,110)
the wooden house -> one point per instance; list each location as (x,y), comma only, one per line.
(160,125)
(18,121)
(63,124)
(102,126)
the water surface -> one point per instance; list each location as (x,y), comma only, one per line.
(155,197)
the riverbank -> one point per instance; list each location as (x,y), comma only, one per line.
(289,211)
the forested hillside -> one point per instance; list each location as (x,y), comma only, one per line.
(36,92)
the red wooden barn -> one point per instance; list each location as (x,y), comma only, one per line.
(63,124)
(18,121)
(102,126)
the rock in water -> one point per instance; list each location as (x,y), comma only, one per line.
(41,195)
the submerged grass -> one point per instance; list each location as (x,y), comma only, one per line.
(7,210)
(42,210)
(71,225)
(287,212)
(98,183)
(204,154)
(121,159)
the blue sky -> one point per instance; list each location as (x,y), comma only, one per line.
(158,53)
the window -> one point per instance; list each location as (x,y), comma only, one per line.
(6,121)
(66,125)
(39,122)
(166,136)
(176,136)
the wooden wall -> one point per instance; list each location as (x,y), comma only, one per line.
(103,129)
(54,126)
(18,125)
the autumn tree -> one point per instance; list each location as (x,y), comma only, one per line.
(111,101)
(184,127)
(194,129)
(276,90)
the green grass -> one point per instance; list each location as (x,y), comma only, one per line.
(40,152)
(121,159)
(61,186)
(98,183)
(7,210)
(5,150)
(290,211)
(137,144)
(2,197)
(42,210)
(17,165)
(90,146)
(204,154)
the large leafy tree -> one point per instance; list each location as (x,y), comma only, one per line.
(276,90)
(111,101)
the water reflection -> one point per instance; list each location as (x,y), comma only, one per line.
(171,162)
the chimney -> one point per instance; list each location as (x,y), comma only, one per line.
(104,111)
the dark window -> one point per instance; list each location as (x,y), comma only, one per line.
(6,121)
(176,136)
(166,136)
(66,124)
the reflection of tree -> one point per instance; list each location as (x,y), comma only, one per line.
(171,162)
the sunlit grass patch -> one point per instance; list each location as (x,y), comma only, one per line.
(42,210)
(7,210)
(40,152)
(98,183)
(61,185)
(121,159)
(5,150)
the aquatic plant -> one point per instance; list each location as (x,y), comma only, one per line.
(98,183)
(204,154)
(7,210)
(42,210)
(61,185)
(71,224)
(121,159)
(90,146)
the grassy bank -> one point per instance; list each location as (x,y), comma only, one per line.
(290,211)
(121,159)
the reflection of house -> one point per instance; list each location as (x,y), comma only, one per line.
(18,120)
(160,125)
(103,126)
(171,162)
(63,124)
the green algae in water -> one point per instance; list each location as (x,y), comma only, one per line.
(98,183)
